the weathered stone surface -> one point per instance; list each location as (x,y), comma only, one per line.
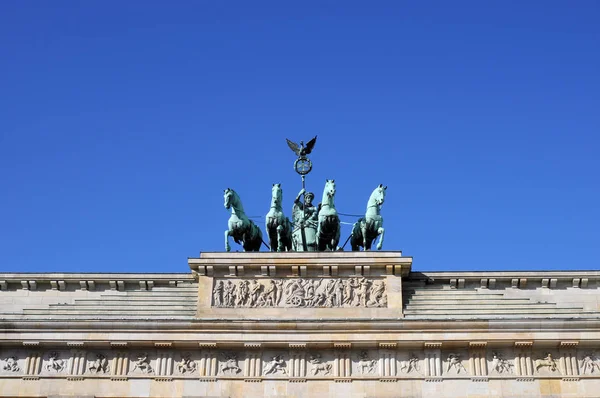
(439,334)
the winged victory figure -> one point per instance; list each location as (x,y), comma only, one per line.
(302,150)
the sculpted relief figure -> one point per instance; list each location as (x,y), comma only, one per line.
(186,365)
(230,365)
(546,362)
(142,363)
(243,292)
(218,294)
(98,365)
(11,364)
(269,295)
(412,364)
(274,366)
(279,292)
(455,362)
(318,365)
(500,365)
(376,295)
(229,294)
(589,363)
(299,292)
(54,362)
(255,290)
(362,291)
(366,365)
(338,293)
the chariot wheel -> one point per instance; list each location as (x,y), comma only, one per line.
(296,301)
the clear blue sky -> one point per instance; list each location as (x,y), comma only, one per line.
(121,122)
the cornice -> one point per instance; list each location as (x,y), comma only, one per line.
(89,281)
(365,326)
(475,275)
(301,263)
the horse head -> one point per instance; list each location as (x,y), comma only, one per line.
(329,188)
(378,196)
(228,197)
(277,194)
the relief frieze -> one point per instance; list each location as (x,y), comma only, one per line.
(300,363)
(299,292)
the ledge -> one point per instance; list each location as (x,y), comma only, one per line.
(207,263)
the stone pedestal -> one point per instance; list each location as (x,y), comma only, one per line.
(300,286)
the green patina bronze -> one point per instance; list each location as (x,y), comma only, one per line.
(241,229)
(278,226)
(367,228)
(312,228)
(328,226)
(304,216)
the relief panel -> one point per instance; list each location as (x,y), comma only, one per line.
(589,363)
(299,292)
(11,363)
(500,362)
(365,363)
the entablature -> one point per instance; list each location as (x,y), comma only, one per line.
(90,281)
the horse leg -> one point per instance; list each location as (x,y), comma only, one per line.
(288,235)
(255,238)
(272,237)
(355,237)
(380,232)
(280,247)
(354,243)
(227,247)
(269,232)
(318,237)
(248,241)
(336,239)
(366,242)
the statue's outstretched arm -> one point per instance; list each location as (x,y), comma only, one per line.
(302,191)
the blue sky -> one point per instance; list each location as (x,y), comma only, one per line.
(121,122)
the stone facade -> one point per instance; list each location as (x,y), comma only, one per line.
(356,324)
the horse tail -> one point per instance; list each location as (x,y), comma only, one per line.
(356,239)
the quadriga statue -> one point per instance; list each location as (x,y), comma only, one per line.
(241,229)
(367,228)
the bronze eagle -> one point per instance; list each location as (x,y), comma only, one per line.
(302,150)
